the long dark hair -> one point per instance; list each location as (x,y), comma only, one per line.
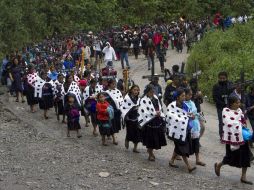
(178,93)
(232,99)
(148,89)
(111,81)
(132,87)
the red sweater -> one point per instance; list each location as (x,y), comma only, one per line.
(102,113)
(157,38)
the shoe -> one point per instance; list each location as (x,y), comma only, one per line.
(135,151)
(173,165)
(215,170)
(246,182)
(192,169)
(150,158)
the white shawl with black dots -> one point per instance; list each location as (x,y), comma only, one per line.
(176,122)
(147,111)
(98,88)
(116,96)
(73,89)
(86,93)
(127,105)
(38,84)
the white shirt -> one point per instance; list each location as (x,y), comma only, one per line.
(97,45)
(109,53)
(87,52)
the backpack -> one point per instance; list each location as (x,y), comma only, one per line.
(110,112)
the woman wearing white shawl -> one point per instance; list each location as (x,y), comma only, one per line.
(177,120)
(151,120)
(129,109)
(237,150)
(114,98)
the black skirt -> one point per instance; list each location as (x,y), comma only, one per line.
(239,158)
(46,102)
(72,126)
(93,118)
(60,107)
(116,122)
(31,100)
(104,128)
(133,133)
(153,137)
(184,148)
(195,146)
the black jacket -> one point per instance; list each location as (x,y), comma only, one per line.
(221,94)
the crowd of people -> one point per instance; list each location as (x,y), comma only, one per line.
(67,74)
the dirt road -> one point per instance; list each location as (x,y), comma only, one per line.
(36,154)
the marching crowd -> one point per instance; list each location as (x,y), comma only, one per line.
(66,74)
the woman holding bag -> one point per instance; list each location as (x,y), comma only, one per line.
(237,150)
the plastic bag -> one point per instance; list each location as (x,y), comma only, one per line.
(246,134)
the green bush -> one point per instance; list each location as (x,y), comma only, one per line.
(230,51)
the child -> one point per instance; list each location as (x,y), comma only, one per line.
(195,130)
(72,112)
(103,117)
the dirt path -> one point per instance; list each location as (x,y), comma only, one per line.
(35,154)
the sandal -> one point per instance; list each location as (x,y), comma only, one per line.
(192,169)
(115,143)
(246,182)
(104,144)
(17,100)
(23,101)
(79,136)
(135,151)
(150,158)
(200,163)
(215,170)
(173,165)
